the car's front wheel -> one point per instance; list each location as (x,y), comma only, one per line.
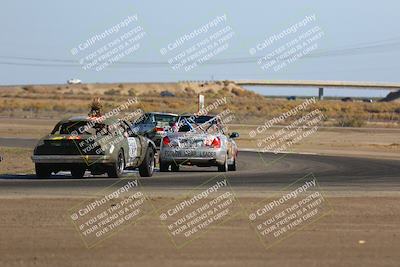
(42,170)
(116,170)
(146,169)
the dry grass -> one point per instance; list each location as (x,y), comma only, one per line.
(248,107)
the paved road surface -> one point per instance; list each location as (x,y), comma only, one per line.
(255,171)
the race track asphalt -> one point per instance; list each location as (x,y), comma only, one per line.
(255,171)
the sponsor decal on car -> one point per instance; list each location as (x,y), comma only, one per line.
(190,153)
(132,147)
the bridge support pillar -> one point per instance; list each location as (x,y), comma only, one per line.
(321,93)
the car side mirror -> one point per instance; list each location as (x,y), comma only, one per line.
(234,135)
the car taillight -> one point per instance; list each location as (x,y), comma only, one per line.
(74,137)
(216,143)
(159,129)
(166,141)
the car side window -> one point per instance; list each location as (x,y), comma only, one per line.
(127,129)
(150,119)
(140,120)
(56,129)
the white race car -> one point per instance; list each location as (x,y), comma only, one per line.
(200,141)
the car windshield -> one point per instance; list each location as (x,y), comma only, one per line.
(165,118)
(184,128)
(200,124)
(80,127)
(198,119)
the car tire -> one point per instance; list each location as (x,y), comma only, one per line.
(116,170)
(164,166)
(232,167)
(42,170)
(146,169)
(78,172)
(224,166)
(175,167)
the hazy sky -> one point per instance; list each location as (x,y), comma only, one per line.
(361,39)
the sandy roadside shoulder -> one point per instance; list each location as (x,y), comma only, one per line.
(360,231)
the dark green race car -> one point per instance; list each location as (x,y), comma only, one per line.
(100,145)
(154,125)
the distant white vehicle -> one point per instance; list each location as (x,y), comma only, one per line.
(74,81)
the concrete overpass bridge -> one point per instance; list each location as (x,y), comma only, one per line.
(322,84)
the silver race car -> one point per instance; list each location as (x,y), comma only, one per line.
(199,141)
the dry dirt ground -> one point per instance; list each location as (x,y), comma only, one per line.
(360,231)
(15,160)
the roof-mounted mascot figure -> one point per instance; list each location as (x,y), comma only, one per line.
(95,108)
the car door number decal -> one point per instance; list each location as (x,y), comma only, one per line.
(132,147)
